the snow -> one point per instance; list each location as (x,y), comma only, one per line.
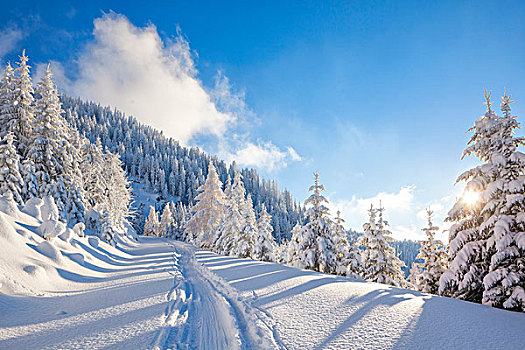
(311,310)
(158,293)
(32,207)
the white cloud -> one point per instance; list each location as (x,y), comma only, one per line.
(293,154)
(9,39)
(133,69)
(265,155)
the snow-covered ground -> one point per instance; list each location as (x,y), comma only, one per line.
(156,293)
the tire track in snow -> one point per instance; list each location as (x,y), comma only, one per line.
(205,312)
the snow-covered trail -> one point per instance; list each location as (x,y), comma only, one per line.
(206,313)
(147,295)
(311,310)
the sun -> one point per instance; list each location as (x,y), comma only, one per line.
(470,197)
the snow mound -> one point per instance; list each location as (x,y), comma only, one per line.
(77,257)
(9,207)
(49,209)
(93,241)
(34,270)
(7,232)
(79,229)
(67,235)
(50,229)
(47,249)
(33,208)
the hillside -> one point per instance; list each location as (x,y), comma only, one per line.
(171,170)
(159,293)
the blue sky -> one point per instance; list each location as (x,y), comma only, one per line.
(375,97)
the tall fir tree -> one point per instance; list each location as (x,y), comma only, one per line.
(49,145)
(379,260)
(264,243)
(92,166)
(347,255)
(7,89)
(207,211)
(233,221)
(21,118)
(432,258)
(117,191)
(151,227)
(486,260)
(166,221)
(313,246)
(246,238)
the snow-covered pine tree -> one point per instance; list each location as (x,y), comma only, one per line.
(21,119)
(6,98)
(379,260)
(246,238)
(207,211)
(347,255)
(92,168)
(504,285)
(117,191)
(425,275)
(107,230)
(151,226)
(486,260)
(180,218)
(11,182)
(49,145)
(166,221)
(232,222)
(264,243)
(313,247)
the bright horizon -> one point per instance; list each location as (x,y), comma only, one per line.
(377,99)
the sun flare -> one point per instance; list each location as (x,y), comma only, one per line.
(470,197)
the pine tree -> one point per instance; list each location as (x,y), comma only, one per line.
(49,143)
(313,247)
(117,191)
(6,99)
(11,182)
(21,118)
(151,227)
(380,263)
(207,211)
(92,169)
(347,255)
(486,261)
(264,243)
(246,238)
(180,219)
(425,275)
(166,221)
(232,222)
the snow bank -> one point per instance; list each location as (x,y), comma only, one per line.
(49,250)
(50,229)
(48,209)
(32,208)
(9,207)
(7,232)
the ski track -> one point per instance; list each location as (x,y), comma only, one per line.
(204,313)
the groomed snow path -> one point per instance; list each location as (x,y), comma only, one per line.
(148,295)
